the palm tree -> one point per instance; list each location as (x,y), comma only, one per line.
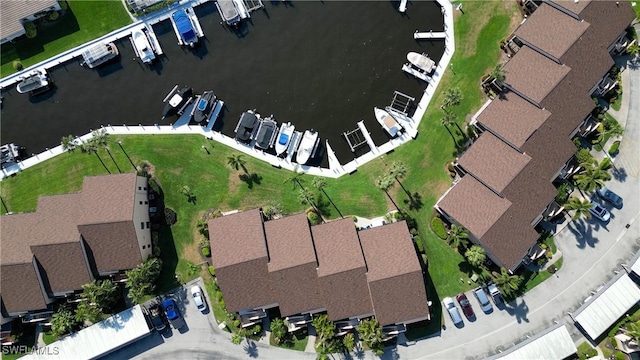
(88,312)
(237,162)
(609,127)
(320,183)
(370,333)
(63,321)
(448,119)
(91,147)
(296,178)
(452,97)
(325,328)
(499,76)
(236,338)
(278,330)
(100,293)
(385,183)
(633,49)
(594,177)
(633,329)
(68,143)
(476,256)
(507,283)
(349,342)
(457,237)
(186,191)
(581,206)
(306,198)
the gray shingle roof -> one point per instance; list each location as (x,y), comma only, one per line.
(12,11)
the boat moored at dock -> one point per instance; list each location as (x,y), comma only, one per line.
(204,106)
(266,134)
(176,101)
(247,126)
(11,153)
(142,46)
(36,82)
(308,146)
(284,138)
(388,122)
(98,54)
(421,61)
(186,26)
(229,12)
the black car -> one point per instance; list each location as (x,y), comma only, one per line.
(158,319)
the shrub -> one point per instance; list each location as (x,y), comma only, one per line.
(425,260)
(30,29)
(419,244)
(236,323)
(170,216)
(314,218)
(613,151)
(398,216)
(212,271)
(17,65)
(413,231)
(63,5)
(206,251)
(403,215)
(53,16)
(437,226)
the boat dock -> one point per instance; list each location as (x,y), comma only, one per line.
(153,40)
(367,137)
(403,6)
(354,138)
(242,9)
(429,35)
(293,144)
(415,72)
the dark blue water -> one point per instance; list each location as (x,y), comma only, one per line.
(320,65)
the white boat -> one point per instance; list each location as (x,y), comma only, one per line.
(266,134)
(388,123)
(142,46)
(421,61)
(36,82)
(228,11)
(415,72)
(98,54)
(10,153)
(284,137)
(403,6)
(308,146)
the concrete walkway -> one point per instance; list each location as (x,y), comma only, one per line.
(627,116)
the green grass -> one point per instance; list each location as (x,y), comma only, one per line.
(613,150)
(48,337)
(534,279)
(551,244)
(636,8)
(617,103)
(298,343)
(179,160)
(585,351)
(82,22)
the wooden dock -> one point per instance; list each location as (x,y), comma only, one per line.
(429,35)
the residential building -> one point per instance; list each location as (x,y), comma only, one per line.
(14,13)
(70,240)
(302,269)
(561,56)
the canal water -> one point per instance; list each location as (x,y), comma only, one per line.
(320,65)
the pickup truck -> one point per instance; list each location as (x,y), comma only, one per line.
(171,310)
(158,320)
(495,294)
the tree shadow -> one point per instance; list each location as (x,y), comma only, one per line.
(192,198)
(619,174)
(250,179)
(167,278)
(251,349)
(324,205)
(414,201)
(583,234)
(518,310)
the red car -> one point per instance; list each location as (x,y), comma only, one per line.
(465,305)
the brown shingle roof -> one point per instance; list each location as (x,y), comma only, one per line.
(500,117)
(289,242)
(237,238)
(12,11)
(64,266)
(573,6)
(337,246)
(532,74)
(108,198)
(112,246)
(493,162)
(543,29)
(15,236)
(59,212)
(22,295)
(246,285)
(341,270)
(297,289)
(394,274)
(473,205)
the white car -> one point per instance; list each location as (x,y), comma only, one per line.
(452,310)
(198,299)
(599,212)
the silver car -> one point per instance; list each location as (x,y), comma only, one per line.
(452,310)
(599,212)
(483,299)
(198,299)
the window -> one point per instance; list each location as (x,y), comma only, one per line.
(139,187)
(144,247)
(142,225)
(140,202)
(145,188)
(148,225)
(146,202)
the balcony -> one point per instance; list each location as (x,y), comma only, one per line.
(607,84)
(251,317)
(37,317)
(588,126)
(295,323)
(343,327)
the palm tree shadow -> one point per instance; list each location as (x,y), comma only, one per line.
(619,174)
(251,179)
(518,310)
(583,233)
(414,201)
(251,349)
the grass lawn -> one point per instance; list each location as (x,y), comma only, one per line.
(48,338)
(617,104)
(180,160)
(83,21)
(298,343)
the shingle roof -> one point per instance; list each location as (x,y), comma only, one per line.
(532,74)
(64,266)
(246,285)
(17,227)
(108,198)
(473,205)
(337,246)
(290,242)
(394,274)
(12,11)
(112,246)
(24,294)
(341,270)
(292,264)
(542,30)
(493,162)
(238,238)
(574,6)
(499,118)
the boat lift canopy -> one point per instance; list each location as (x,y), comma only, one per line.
(354,138)
(401,103)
